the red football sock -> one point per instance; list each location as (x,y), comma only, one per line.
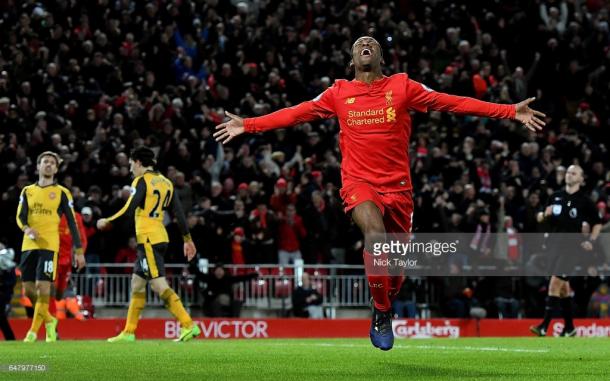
(395,285)
(378,284)
(52,307)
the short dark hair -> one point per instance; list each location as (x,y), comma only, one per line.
(49,153)
(144,155)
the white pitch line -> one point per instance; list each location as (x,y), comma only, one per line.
(476,349)
(426,347)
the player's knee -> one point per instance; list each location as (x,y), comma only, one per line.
(43,288)
(30,289)
(138,284)
(138,287)
(159,288)
(159,285)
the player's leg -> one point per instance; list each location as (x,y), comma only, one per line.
(188,329)
(137,302)
(46,268)
(566,310)
(141,275)
(29,289)
(136,305)
(552,304)
(28,266)
(398,220)
(369,219)
(171,300)
(61,283)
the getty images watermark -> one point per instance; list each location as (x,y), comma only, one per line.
(398,253)
(483,253)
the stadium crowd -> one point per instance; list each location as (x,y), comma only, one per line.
(93,79)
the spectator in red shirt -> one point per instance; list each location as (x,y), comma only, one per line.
(281,198)
(291,231)
(237,246)
(127,254)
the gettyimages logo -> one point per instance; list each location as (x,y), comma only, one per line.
(402,329)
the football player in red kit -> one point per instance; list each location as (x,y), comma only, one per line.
(64,268)
(373,112)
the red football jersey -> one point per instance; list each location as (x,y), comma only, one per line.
(65,238)
(375,124)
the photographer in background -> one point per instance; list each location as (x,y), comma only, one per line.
(306,301)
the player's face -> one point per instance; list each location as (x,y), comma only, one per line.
(366,54)
(47,166)
(574,175)
(134,166)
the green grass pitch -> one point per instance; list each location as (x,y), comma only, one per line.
(313,359)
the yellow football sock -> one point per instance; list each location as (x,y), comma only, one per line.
(136,305)
(41,310)
(48,317)
(174,305)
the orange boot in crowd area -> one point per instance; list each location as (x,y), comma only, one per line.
(69,305)
(60,312)
(74,308)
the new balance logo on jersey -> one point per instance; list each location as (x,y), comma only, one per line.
(350,101)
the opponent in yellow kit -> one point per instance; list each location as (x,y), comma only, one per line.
(151,195)
(41,206)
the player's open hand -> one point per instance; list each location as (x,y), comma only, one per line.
(189,250)
(32,233)
(530,118)
(81,262)
(225,132)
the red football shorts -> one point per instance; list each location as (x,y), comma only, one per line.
(64,271)
(396,207)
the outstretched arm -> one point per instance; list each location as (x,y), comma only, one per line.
(138,192)
(319,108)
(422,98)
